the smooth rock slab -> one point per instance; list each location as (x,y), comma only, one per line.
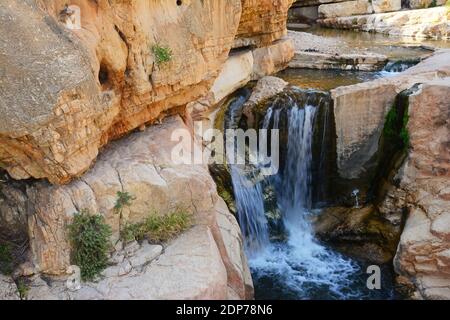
(190,268)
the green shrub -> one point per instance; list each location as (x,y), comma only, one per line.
(404,134)
(162,54)
(123,200)
(395,128)
(22,288)
(158,228)
(390,123)
(6,259)
(89,236)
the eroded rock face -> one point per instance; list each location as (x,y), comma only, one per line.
(423,23)
(423,252)
(68,90)
(144,165)
(262,22)
(65,93)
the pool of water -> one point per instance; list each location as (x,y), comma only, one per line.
(326,79)
(393,47)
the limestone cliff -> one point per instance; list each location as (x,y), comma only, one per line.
(77,75)
(66,93)
(67,89)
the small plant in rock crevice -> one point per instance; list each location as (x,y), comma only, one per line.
(22,288)
(162,54)
(158,228)
(89,236)
(6,259)
(124,199)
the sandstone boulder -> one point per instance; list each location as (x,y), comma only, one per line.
(422,253)
(360,112)
(344,9)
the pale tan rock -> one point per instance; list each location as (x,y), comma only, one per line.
(8,289)
(386,5)
(147,253)
(423,23)
(262,22)
(236,73)
(423,251)
(360,111)
(190,268)
(58,117)
(344,9)
(141,164)
(273,58)
(265,88)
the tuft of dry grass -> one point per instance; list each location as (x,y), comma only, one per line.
(158,228)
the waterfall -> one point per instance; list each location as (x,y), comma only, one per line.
(299,265)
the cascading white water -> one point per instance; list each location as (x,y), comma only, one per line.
(250,207)
(300,265)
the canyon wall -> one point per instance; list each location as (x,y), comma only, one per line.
(423,254)
(90,85)
(70,87)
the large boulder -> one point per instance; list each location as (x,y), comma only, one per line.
(360,111)
(344,9)
(386,5)
(423,251)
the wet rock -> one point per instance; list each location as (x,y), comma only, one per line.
(316,52)
(359,232)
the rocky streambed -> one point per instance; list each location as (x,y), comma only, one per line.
(348,208)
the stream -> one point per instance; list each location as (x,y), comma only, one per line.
(285,258)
